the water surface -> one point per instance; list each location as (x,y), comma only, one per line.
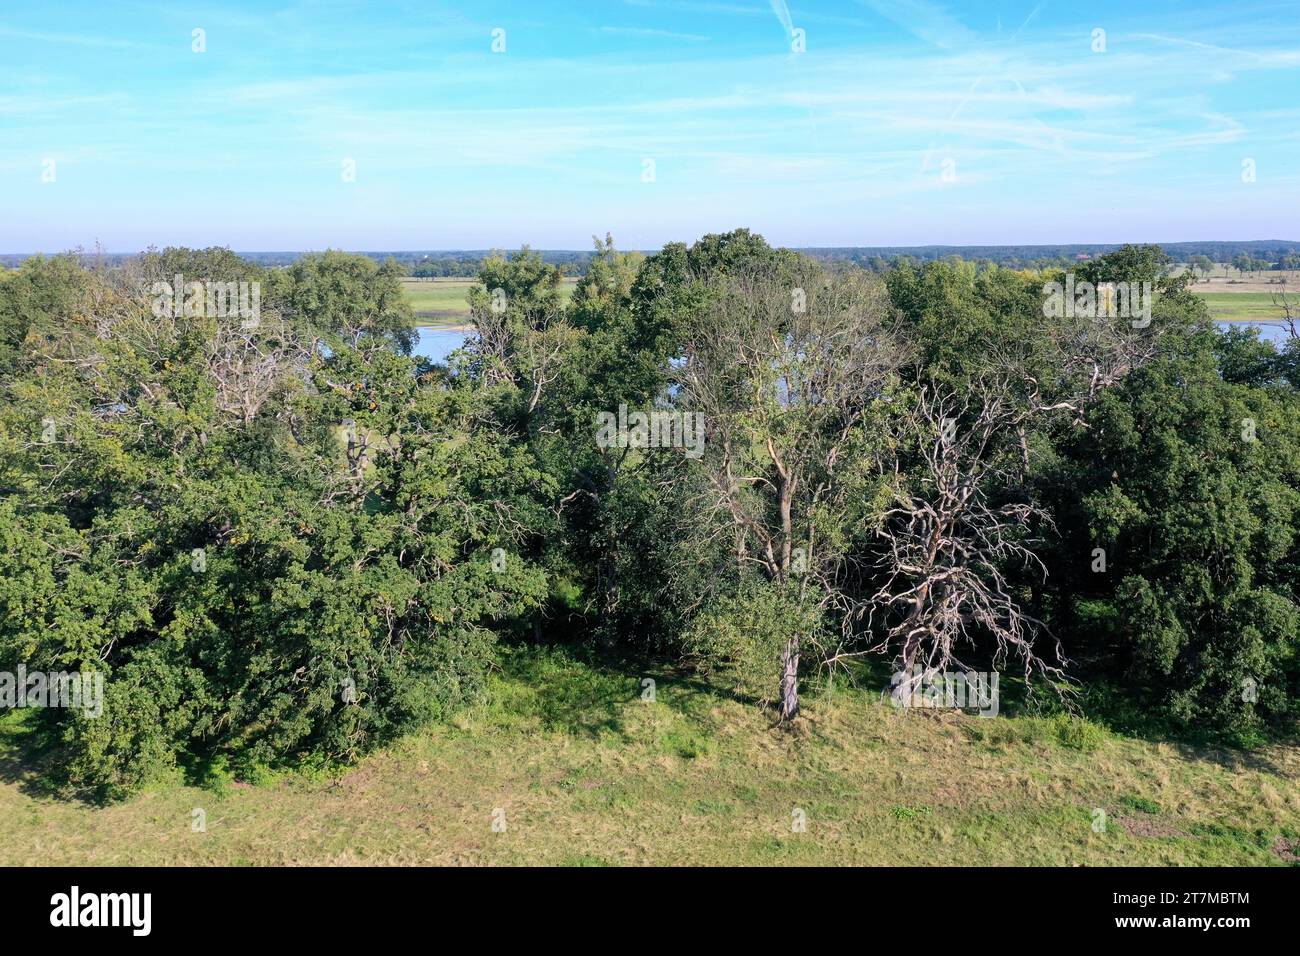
(1268,331)
(436,342)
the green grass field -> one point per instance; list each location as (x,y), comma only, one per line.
(438,297)
(444,299)
(584,772)
(1241,306)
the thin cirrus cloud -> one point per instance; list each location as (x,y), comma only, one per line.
(926,21)
(894,122)
(653,34)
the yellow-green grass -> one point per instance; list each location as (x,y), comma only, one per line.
(438,301)
(1242,306)
(438,297)
(585,772)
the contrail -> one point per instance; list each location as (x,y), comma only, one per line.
(782,12)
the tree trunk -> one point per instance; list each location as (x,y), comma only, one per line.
(790,680)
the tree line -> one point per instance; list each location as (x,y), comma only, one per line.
(286,539)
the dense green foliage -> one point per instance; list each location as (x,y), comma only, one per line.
(291,540)
(1189,479)
(306,573)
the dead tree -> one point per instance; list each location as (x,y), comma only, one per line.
(947,543)
(961,518)
(1290,314)
(248,364)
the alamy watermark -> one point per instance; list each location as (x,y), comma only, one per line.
(82,690)
(75,908)
(958,690)
(214,300)
(1105,300)
(655,429)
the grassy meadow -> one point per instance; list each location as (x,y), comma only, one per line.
(444,302)
(1232,297)
(587,773)
(1229,297)
(1230,306)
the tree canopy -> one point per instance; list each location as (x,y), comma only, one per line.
(289,538)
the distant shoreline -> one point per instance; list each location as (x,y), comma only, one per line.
(423,322)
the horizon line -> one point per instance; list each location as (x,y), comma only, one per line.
(491,249)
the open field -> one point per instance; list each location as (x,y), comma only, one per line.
(1242,306)
(1247,281)
(589,774)
(1229,296)
(1232,297)
(438,298)
(1247,299)
(444,299)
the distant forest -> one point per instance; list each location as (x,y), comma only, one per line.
(465,263)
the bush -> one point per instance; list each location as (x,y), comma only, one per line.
(1078,733)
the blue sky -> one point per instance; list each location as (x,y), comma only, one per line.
(902,123)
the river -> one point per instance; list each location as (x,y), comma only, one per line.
(437,342)
(1268,331)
